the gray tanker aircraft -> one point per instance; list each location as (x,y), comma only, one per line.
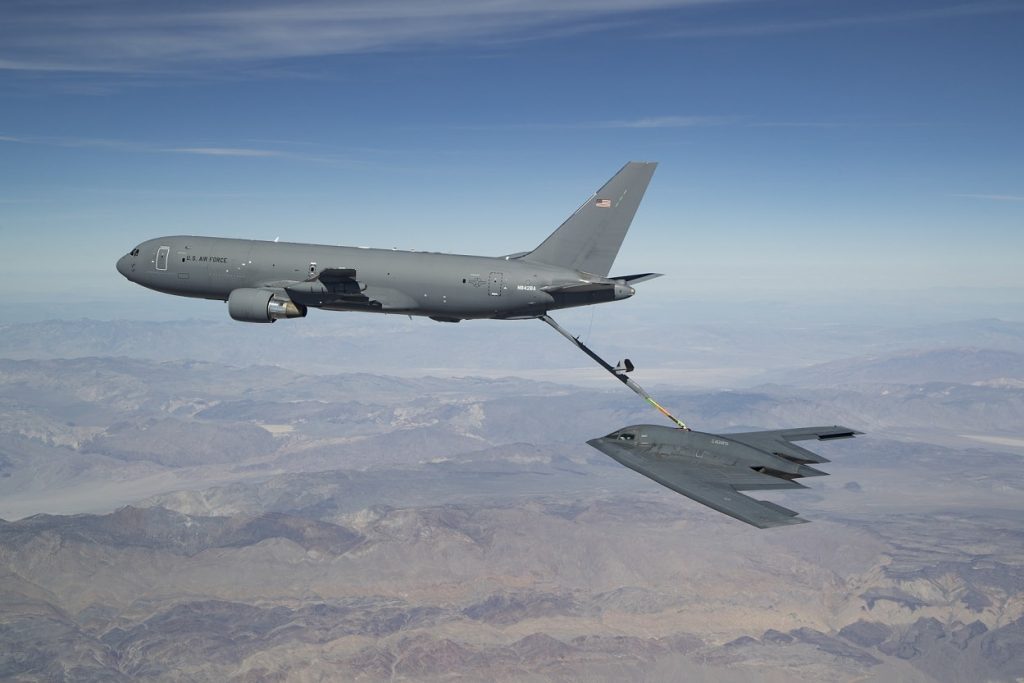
(265,281)
(711,468)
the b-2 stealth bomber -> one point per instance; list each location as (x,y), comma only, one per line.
(712,469)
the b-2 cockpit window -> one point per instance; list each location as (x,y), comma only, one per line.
(627,436)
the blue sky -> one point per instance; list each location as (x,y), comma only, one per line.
(806,146)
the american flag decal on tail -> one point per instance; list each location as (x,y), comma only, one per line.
(603,203)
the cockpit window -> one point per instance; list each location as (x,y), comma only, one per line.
(626,436)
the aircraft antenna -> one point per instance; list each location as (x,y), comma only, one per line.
(617,372)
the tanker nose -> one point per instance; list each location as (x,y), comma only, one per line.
(124,264)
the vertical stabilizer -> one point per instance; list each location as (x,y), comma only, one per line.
(590,239)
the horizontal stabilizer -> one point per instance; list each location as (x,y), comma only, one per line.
(634,279)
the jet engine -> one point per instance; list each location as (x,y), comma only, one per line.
(251,305)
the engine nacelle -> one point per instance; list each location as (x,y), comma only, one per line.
(251,305)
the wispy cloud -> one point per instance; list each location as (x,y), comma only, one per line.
(765,28)
(251,153)
(154,35)
(665,122)
(227,151)
(649,122)
(681,121)
(192,36)
(76,142)
(994,197)
(146,147)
